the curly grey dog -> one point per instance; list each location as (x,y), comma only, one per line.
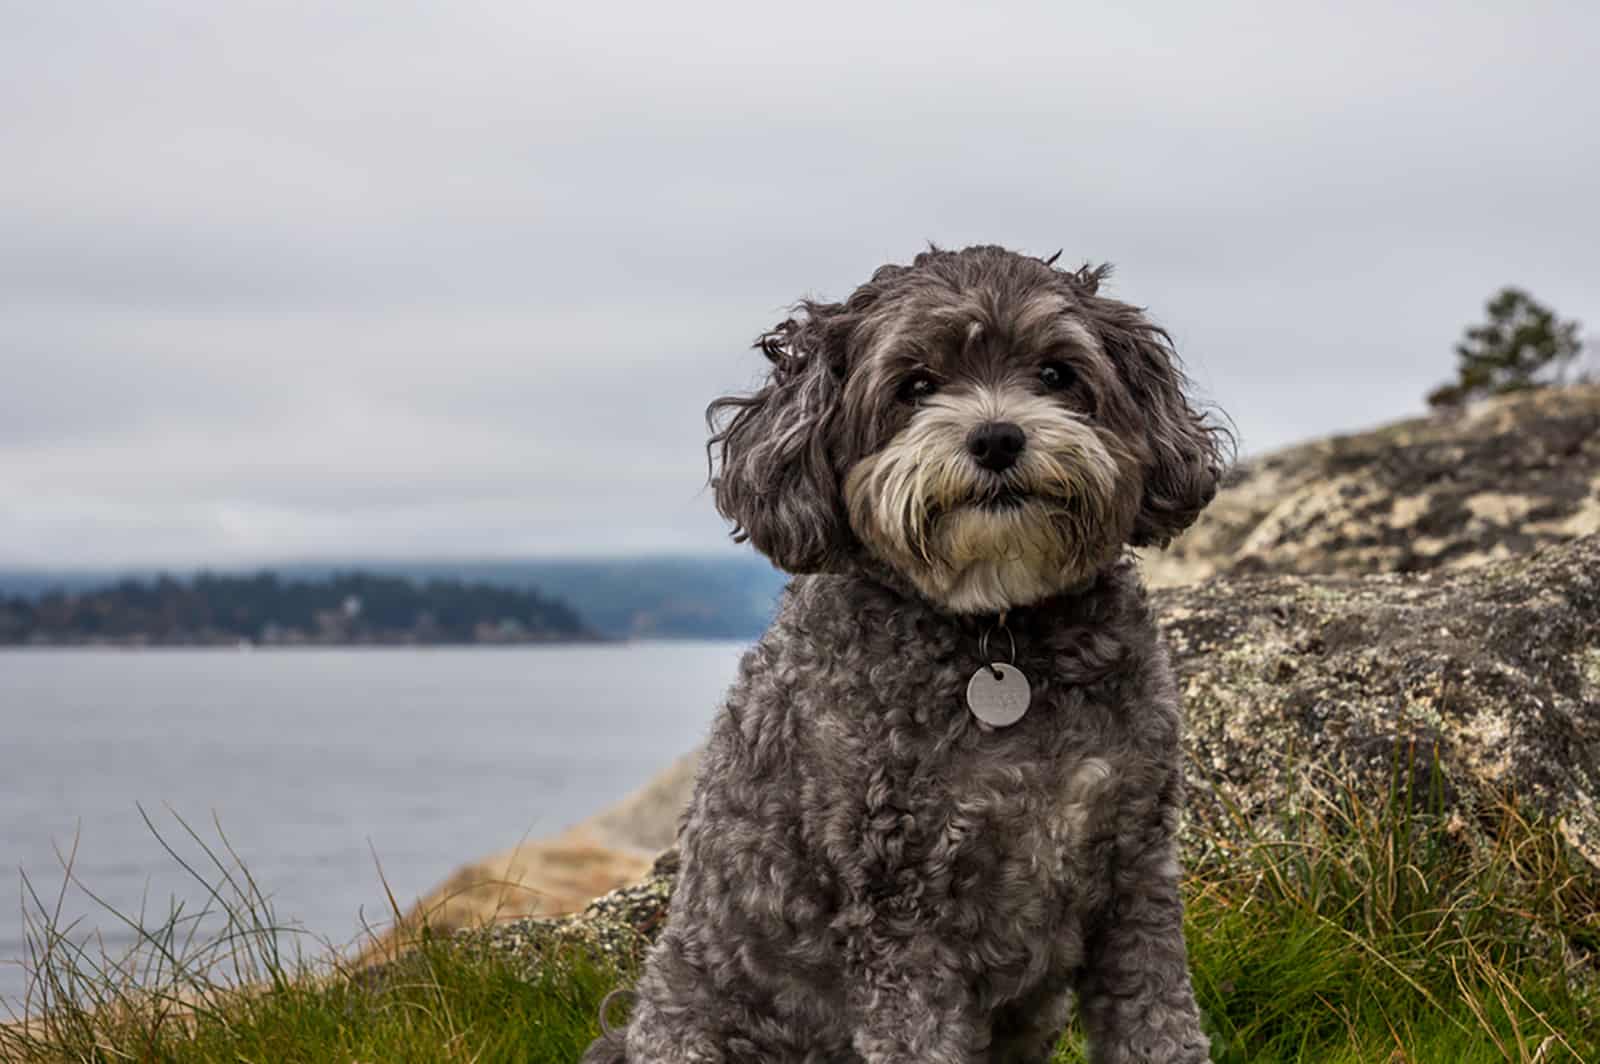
(879,864)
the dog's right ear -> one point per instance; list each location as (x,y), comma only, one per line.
(776,480)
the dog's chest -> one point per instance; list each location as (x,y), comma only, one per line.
(1004,829)
(1003,841)
(1009,816)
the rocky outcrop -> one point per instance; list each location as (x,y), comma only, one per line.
(1453,490)
(1491,673)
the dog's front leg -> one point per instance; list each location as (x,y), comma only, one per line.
(1134,995)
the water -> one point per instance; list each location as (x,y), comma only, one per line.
(312,760)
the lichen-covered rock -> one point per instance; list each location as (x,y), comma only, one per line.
(1493,673)
(615,927)
(1452,490)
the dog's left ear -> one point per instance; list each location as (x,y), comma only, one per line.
(1187,452)
(776,481)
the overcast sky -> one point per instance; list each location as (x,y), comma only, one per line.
(457,279)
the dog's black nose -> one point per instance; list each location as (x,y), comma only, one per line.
(996,444)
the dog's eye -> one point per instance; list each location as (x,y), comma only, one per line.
(917,386)
(1056,376)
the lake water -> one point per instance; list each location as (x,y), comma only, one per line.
(312,760)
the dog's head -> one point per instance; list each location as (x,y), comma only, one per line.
(984,423)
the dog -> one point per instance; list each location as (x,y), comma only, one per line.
(940,803)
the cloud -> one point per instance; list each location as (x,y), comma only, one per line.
(279,280)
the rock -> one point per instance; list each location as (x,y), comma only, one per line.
(554,876)
(1453,490)
(615,927)
(1292,682)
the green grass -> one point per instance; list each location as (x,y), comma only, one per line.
(228,982)
(1376,932)
(442,1003)
(1360,932)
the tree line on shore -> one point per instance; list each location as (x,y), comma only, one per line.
(266,609)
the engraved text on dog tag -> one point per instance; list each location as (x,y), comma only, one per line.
(998,694)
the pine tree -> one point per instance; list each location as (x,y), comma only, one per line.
(1521,340)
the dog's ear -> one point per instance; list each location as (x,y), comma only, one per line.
(776,480)
(1186,451)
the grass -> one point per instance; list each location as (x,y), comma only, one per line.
(1381,931)
(229,982)
(1360,931)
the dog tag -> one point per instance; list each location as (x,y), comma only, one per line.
(998,701)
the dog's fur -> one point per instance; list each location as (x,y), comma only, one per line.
(869,873)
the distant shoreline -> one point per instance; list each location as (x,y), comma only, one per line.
(368,644)
(271,648)
(695,598)
(264,609)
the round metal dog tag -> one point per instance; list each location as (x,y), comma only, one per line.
(998,694)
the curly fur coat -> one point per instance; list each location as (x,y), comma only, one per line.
(870,874)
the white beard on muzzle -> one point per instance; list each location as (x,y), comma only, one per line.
(977,542)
